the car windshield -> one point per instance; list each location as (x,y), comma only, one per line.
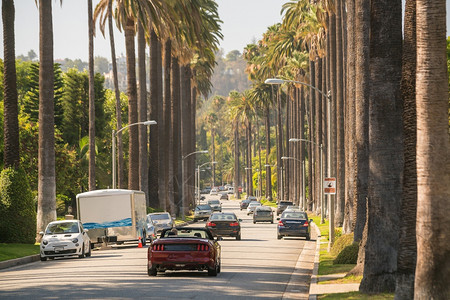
(286,203)
(255,204)
(160,217)
(203,207)
(294,215)
(185,233)
(214,202)
(245,201)
(65,227)
(224,217)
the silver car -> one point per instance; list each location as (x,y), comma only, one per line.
(215,205)
(161,221)
(263,214)
(202,212)
(251,207)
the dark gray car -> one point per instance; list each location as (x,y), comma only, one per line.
(161,221)
(263,214)
(282,206)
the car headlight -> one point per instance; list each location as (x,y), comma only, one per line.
(75,241)
(45,242)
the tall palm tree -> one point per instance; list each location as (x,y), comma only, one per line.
(11,124)
(211,120)
(46,211)
(385,141)
(407,251)
(433,154)
(91,100)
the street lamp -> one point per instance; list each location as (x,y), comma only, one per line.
(296,159)
(198,174)
(183,198)
(113,145)
(328,96)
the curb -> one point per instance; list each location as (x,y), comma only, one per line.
(314,277)
(19,261)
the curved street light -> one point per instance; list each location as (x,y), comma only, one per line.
(113,145)
(198,174)
(183,198)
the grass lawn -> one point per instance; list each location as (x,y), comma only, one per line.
(11,251)
(356,295)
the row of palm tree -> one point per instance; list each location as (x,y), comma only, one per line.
(353,49)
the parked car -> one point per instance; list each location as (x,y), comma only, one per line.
(282,206)
(263,214)
(251,207)
(64,238)
(224,196)
(215,205)
(244,203)
(213,191)
(224,224)
(294,223)
(202,212)
(230,190)
(184,248)
(161,220)
(205,191)
(151,230)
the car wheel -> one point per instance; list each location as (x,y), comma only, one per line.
(144,240)
(152,271)
(238,237)
(308,237)
(279,237)
(271,221)
(82,252)
(89,252)
(254,222)
(195,220)
(212,272)
(219,267)
(43,258)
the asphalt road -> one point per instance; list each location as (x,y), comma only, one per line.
(257,267)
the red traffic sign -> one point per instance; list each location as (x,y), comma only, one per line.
(329,186)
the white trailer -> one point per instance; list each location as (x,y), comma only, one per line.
(113,215)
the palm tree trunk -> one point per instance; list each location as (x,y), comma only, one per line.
(142,113)
(11,156)
(167,163)
(385,148)
(301,121)
(279,147)
(213,155)
(46,210)
(407,250)
(120,181)
(133,152)
(185,133)
(311,156)
(318,129)
(433,154)
(176,136)
(162,155)
(268,167)
(153,161)
(91,100)
(236,161)
(287,152)
(249,158)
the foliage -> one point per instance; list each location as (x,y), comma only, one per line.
(349,255)
(17,208)
(11,251)
(356,296)
(341,242)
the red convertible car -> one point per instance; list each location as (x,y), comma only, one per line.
(184,248)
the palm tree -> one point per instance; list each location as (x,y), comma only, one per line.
(91,100)
(11,124)
(385,141)
(433,154)
(211,120)
(46,211)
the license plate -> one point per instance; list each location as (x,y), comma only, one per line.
(57,249)
(180,265)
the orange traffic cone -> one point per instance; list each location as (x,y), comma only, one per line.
(140,243)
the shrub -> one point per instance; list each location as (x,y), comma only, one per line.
(341,242)
(17,209)
(349,255)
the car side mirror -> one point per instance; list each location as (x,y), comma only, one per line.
(41,233)
(278,219)
(240,220)
(86,230)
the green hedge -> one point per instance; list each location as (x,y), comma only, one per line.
(349,255)
(341,242)
(17,208)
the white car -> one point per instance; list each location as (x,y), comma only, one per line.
(64,238)
(214,191)
(251,207)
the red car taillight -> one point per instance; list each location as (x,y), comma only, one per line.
(281,223)
(306,224)
(234,224)
(158,247)
(211,224)
(202,247)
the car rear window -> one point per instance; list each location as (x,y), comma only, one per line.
(185,233)
(225,217)
(203,207)
(286,203)
(213,202)
(160,217)
(294,215)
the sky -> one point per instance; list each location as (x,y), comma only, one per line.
(244,22)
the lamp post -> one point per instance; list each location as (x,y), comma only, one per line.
(183,196)
(113,145)
(296,159)
(328,96)
(198,174)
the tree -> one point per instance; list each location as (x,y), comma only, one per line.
(433,154)
(385,148)
(46,211)
(11,156)
(91,100)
